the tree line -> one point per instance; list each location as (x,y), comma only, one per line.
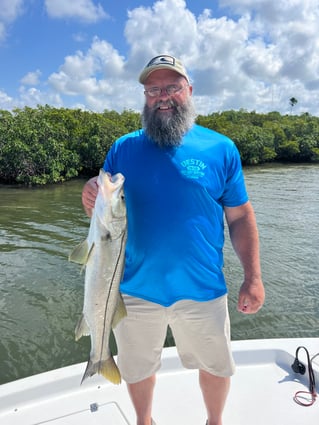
(50,145)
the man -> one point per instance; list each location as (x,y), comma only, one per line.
(181,179)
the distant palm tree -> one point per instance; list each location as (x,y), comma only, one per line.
(292,102)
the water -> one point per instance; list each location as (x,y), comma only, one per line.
(41,293)
(286,202)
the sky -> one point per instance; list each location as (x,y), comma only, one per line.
(240,54)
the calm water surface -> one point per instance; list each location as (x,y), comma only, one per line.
(41,293)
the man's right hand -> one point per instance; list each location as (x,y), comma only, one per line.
(89,194)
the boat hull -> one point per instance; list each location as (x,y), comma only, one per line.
(262,392)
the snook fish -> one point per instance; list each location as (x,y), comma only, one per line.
(102,254)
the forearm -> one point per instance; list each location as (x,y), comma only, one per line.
(245,240)
(244,236)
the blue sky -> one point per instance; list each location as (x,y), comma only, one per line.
(250,54)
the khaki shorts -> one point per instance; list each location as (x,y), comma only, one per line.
(201,331)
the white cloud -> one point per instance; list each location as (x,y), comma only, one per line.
(31,78)
(9,11)
(100,60)
(34,97)
(168,26)
(84,10)
(6,102)
(99,76)
(79,37)
(264,50)
(2,31)
(257,58)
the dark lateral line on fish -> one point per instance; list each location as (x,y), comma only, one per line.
(108,295)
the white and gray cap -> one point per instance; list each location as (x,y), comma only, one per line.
(163,62)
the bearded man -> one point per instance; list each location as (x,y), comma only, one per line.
(180,181)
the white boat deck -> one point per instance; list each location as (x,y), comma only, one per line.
(261,393)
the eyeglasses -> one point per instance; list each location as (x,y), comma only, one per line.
(170,90)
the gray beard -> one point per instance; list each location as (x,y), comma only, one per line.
(168,131)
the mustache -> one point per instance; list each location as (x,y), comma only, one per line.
(168,102)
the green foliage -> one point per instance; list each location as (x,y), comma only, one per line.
(51,145)
(268,137)
(288,150)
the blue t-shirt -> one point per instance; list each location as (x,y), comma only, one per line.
(175,199)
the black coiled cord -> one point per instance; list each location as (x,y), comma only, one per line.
(299,367)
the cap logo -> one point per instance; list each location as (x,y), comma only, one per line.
(162,60)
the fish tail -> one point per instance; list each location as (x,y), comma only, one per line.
(106,368)
(110,371)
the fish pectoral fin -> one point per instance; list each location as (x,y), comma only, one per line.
(107,368)
(82,328)
(120,312)
(81,253)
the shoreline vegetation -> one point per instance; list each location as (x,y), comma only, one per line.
(51,145)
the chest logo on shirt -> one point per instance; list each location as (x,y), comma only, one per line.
(193,168)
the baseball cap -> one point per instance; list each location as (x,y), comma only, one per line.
(163,62)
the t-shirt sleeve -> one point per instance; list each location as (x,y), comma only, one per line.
(110,160)
(235,192)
